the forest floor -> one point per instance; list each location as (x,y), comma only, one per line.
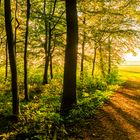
(119,119)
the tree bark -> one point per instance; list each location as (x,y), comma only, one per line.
(51,57)
(51,67)
(94,60)
(47,46)
(16,25)
(45,78)
(25,52)
(70,66)
(9,33)
(101,62)
(6,60)
(109,56)
(83,47)
(15,38)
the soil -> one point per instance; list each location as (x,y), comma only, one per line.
(119,119)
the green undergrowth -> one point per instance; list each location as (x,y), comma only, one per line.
(92,93)
(40,118)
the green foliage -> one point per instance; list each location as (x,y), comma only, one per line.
(92,93)
(35,76)
(112,78)
(87,105)
(90,84)
(86,84)
(100,83)
(40,116)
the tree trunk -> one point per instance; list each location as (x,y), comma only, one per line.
(49,44)
(49,29)
(83,47)
(48,49)
(109,56)
(51,67)
(9,33)
(101,62)
(25,52)
(69,87)
(6,60)
(94,60)
(45,78)
(51,57)
(15,25)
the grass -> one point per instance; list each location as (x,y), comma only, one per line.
(130,71)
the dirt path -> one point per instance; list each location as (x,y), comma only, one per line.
(119,119)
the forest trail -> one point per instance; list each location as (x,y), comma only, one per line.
(119,119)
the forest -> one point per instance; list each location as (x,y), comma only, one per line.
(61,76)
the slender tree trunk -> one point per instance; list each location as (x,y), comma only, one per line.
(51,58)
(109,56)
(6,60)
(9,33)
(50,39)
(83,47)
(69,87)
(51,67)
(45,78)
(15,25)
(48,49)
(49,44)
(25,52)
(48,55)
(94,60)
(101,62)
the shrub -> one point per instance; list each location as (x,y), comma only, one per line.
(112,78)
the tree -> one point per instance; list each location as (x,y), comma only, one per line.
(49,28)
(16,25)
(25,52)
(69,87)
(94,60)
(83,48)
(45,78)
(6,60)
(109,55)
(9,33)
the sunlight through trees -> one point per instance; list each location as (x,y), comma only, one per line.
(60,60)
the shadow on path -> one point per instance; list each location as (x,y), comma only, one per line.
(119,119)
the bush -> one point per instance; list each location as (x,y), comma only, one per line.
(112,78)
(87,105)
(100,84)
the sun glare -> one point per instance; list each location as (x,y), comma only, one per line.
(131,57)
